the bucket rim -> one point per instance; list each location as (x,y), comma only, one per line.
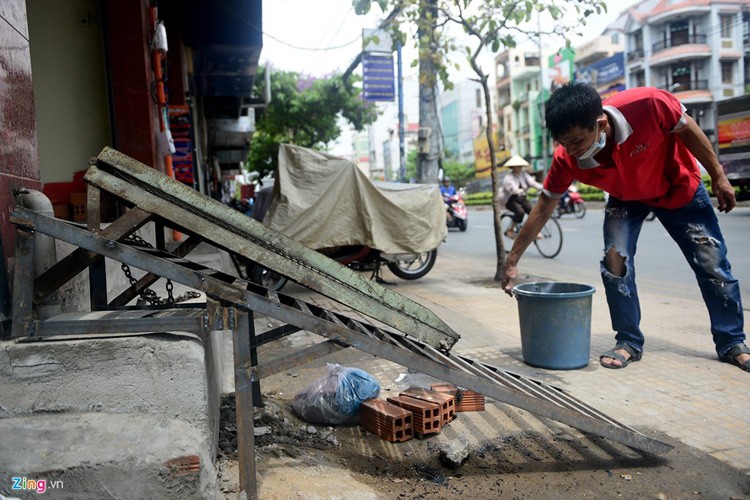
(518,291)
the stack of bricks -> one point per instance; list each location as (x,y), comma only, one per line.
(427,417)
(446,402)
(390,422)
(465,400)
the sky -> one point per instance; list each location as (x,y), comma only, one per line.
(324,36)
(320,37)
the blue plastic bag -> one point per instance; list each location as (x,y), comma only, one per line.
(335,398)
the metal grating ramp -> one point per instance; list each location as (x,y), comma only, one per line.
(343,331)
(226,228)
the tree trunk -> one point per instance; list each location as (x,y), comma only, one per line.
(429,127)
(497,210)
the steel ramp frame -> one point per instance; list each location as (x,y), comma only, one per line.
(341,330)
(154,192)
(414,337)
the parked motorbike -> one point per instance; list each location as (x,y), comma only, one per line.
(402,228)
(407,266)
(456,214)
(574,205)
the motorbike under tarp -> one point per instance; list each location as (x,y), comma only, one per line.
(324,201)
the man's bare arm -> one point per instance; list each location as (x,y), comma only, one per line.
(699,146)
(535,221)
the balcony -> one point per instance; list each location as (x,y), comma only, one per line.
(694,39)
(634,55)
(671,53)
(687,85)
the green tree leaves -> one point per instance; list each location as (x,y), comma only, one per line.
(304,110)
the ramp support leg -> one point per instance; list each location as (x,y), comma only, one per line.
(244,393)
(23,280)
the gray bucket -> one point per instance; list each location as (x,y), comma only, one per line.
(555,324)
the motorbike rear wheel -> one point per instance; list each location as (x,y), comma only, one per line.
(580,210)
(409,268)
(266,278)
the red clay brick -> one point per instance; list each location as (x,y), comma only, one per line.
(446,401)
(390,422)
(427,417)
(466,400)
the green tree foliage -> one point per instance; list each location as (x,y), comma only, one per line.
(304,111)
(410,169)
(459,173)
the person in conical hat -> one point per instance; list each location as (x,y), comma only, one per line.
(512,193)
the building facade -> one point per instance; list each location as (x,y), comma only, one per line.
(462,118)
(697,49)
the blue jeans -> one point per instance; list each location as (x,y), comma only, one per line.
(695,229)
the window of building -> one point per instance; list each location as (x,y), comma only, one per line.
(680,77)
(638,40)
(479,98)
(726,26)
(678,34)
(727,69)
(639,79)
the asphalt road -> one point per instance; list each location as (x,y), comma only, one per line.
(660,266)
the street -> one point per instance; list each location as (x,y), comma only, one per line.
(658,264)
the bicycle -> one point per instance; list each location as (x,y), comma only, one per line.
(549,242)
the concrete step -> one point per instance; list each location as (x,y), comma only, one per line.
(99,455)
(132,416)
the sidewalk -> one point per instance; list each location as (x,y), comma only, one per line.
(677,392)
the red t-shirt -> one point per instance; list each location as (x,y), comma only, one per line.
(647,163)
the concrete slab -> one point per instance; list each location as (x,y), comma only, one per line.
(159,374)
(133,416)
(99,455)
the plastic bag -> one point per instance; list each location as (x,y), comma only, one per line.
(335,398)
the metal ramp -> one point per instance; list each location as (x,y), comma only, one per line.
(414,337)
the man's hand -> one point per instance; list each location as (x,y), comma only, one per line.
(509,279)
(724,193)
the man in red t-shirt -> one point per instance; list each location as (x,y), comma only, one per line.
(641,147)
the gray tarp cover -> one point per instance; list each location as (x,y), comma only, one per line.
(323,201)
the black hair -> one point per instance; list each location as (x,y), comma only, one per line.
(572,105)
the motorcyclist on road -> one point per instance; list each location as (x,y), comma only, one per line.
(565,198)
(447,189)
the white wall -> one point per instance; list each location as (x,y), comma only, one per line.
(70,89)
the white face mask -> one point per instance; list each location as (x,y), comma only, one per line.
(595,147)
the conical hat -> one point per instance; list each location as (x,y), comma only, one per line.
(516,161)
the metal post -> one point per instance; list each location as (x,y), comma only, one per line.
(543,111)
(243,393)
(401,125)
(23,278)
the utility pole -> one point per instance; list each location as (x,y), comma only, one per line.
(542,106)
(401,125)
(428,137)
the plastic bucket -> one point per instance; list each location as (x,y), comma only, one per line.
(555,324)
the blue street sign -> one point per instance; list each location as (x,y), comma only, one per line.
(378,79)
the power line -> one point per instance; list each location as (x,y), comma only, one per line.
(312,49)
(256,28)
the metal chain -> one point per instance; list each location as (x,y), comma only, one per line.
(148,294)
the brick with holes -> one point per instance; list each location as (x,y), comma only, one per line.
(446,401)
(390,422)
(466,400)
(427,417)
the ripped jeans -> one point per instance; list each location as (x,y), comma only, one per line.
(695,229)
